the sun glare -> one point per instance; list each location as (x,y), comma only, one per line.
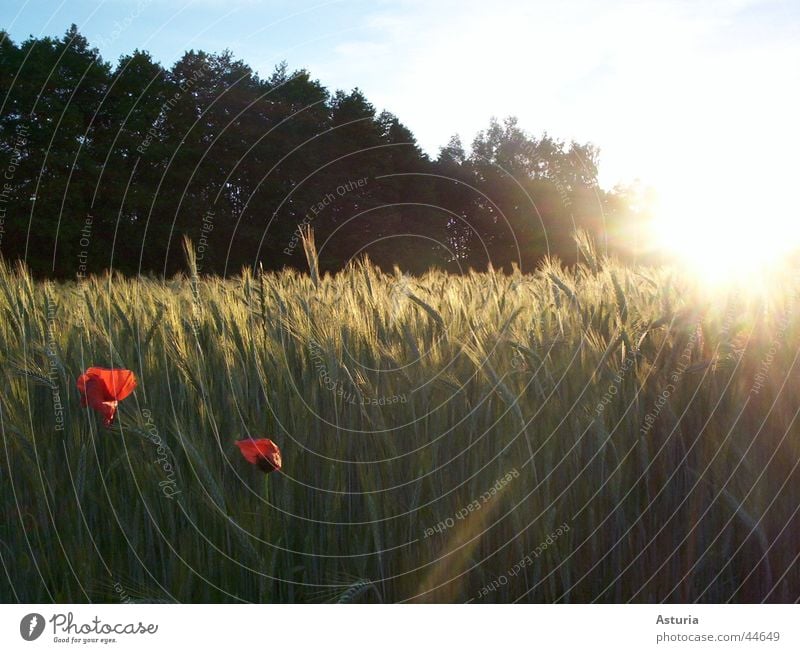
(724,237)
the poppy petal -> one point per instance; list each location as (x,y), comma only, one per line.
(95,394)
(249,450)
(119,383)
(108,409)
(81,382)
(101,389)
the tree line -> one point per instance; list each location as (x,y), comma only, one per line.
(109,166)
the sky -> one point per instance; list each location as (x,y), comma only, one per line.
(696,99)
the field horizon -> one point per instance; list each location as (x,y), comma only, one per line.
(603,433)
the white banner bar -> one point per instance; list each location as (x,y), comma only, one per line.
(353,628)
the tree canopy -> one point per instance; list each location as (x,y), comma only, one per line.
(111,165)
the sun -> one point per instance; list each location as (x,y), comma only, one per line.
(725,235)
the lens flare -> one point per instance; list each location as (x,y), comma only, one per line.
(723,237)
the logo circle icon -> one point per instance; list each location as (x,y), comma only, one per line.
(31,626)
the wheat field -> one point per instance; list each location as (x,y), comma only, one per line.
(601,433)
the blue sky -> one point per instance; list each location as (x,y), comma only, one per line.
(693,98)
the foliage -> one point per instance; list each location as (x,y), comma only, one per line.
(143,153)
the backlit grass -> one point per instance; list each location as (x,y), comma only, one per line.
(659,424)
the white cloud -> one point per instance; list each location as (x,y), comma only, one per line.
(646,81)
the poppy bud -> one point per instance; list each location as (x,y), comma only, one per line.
(262,453)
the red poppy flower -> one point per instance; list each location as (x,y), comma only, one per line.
(263,453)
(102,389)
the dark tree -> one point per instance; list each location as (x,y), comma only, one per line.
(111,167)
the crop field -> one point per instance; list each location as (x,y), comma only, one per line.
(602,433)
